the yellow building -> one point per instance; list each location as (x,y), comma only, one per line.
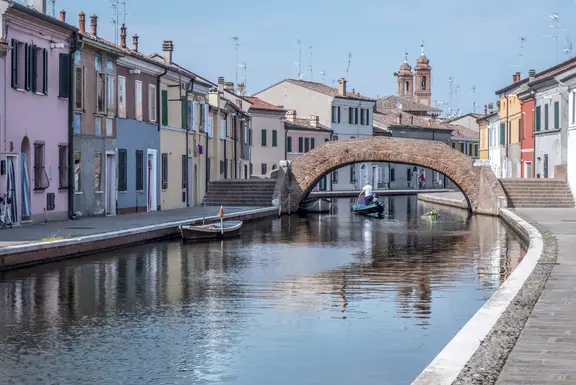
(483,128)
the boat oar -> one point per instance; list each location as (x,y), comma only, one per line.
(221,215)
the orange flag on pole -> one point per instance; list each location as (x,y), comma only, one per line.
(221,212)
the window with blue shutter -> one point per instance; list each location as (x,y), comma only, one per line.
(15,55)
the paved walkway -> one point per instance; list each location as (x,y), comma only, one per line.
(95,225)
(545,353)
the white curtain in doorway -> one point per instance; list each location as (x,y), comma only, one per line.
(26,211)
(11,185)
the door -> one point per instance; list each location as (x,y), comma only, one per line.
(11,186)
(110,191)
(152,180)
(363,175)
(546,166)
(528,170)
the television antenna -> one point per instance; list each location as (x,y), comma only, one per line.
(116,4)
(299,59)
(245,77)
(236,45)
(349,60)
(310,63)
(323,73)
(474,99)
(556,17)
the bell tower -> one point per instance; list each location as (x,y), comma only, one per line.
(423,72)
(405,79)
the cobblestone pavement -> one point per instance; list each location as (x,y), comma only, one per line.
(95,225)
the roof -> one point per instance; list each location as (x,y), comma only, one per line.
(390,118)
(304,124)
(486,117)
(259,104)
(462,131)
(473,115)
(408,104)
(321,88)
(31,11)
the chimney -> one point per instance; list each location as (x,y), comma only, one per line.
(123,36)
(314,121)
(399,118)
(229,86)
(168,48)
(531,74)
(94,25)
(221,83)
(516,77)
(82,22)
(291,115)
(241,89)
(485,109)
(342,87)
(63,16)
(39,5)
(135,42)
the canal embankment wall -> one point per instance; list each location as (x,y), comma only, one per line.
(451,199)
(33,253)
(479,350)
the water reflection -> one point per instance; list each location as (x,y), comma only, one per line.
(321,299)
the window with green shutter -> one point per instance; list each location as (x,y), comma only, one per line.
(300,144)
(64,76)
(164,107)
(556,115)
(538,118)
(546,117)
(289,144)
(274,138)
(264,135)
(312,143)
(15,63)
(184,107)
(502,133)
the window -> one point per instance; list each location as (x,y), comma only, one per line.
(300,144)
(98,63)
(264,135)
(223,128)
(312,143)
(138,100)
(306,144)
(121,96)
(556,115)
(152,102)
(64,76)
(335,176)
(40,178)
(110,90)
(16,74)
(100,92)
(184,172)
(122,170)
(509,132)
(423,83)
(353,173)
(77,171)
(164,97)
(222,165)
(210,131)
(289,144)
(326,140)
(350,115)
(538,120)
(139,170)
(334,137)
(98,126)
(164,171)
(274,138)
(334,114)
(98,172)
(109,127)
(392,175)
(338,114)
(79,88)
(362,116)
(521,133)
(356,116)
(546,118)
(39,69)
(367,119)
(264,168)
(502,133)
(62,166)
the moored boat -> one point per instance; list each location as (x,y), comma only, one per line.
(212,231)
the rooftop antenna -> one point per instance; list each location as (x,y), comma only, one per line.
(236,45)
(245,77)
(299,58)
(450,94)
(323,73)
(457,107)
(556,17)
(310,64)
(115,4)
(474,99)
(349,60)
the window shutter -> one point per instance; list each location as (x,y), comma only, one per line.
(34,68)
(300,144)
(538,118)
(367,117)
(164,107)
(15,55)
(194,115)
(350,115)
(312,143)
(206,112)
(250,136)
(502,133)
(64,88)
(27,68)
(45,71)
(223,128)
(546,117)
(274,138)
(289,144)
(264,137)
(356,116)
(338,114)
(556,115)
(211,126)
(184,109)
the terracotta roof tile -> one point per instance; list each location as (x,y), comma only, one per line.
(458,130)
(325,89)
(389,117)
(305,124)
(260,104)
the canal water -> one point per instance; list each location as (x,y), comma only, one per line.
(324,299)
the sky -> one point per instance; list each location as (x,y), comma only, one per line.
(476,43)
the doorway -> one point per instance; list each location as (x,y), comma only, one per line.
(26,208)
(545,165)
(152,180)
(527,169)
(110,188)
(375,176)
(11,185)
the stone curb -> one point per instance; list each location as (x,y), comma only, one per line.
(486,340)
(461,204)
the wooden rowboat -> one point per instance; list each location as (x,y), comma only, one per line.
(370,209)
(212,231)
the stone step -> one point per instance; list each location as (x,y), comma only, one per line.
(540,205)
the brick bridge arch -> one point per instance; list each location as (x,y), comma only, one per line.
(478,183)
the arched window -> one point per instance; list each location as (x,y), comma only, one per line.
(423,85)
(406,87)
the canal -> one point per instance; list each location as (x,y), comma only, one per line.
(323,299)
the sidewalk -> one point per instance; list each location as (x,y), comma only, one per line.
(545,351)
(95,225)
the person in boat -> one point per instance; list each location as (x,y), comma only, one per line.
(367,193)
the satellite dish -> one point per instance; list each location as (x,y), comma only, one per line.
(399,105)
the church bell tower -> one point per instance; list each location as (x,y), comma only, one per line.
(423,72)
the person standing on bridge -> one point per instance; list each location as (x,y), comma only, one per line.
(367,192)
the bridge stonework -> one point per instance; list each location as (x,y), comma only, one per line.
(478,183)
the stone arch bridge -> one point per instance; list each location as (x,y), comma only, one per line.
(478,183)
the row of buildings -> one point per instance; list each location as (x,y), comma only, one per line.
(89,127)
(531,132)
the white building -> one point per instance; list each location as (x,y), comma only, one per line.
(496,153)
(348,114)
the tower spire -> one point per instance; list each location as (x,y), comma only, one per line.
(422,48)
(406,56)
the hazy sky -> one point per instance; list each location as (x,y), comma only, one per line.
(477,43)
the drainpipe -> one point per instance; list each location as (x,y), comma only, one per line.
(71,193)
(286,143)
(225,160)
(188,89)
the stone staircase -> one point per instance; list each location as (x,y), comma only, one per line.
(537,193)
(240,192)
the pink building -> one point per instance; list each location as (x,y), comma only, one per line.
(34,140)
